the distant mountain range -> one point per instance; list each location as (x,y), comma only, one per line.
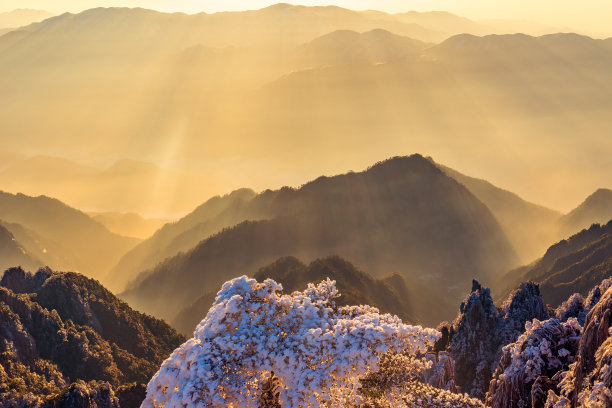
(402,215)
(12,253)
(21,17)
(139,186)
(61,236)
(202,87)
(62,328)
(345,47)
(129,224)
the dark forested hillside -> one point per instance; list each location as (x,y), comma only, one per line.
(573,265)
(402,215)
(391,294)
(62,328)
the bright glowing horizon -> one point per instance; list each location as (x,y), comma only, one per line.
(589,16)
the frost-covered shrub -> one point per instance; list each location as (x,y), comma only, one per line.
(578,307)
(572,307)
(588,380)
(316,351)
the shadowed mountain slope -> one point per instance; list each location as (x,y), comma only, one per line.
(13,254)
(59,328)
(391,294)
(596,209)
(207,219)
(531,228)
(401,215)
(574,265)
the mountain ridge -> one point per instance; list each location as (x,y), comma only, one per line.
(79,241)
(314,221)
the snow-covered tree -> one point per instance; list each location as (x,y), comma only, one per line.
(299,348)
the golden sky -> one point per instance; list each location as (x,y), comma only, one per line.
(592,16)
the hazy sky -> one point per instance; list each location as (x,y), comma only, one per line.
(587,15)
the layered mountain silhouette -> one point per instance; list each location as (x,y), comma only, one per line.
(128,224)
(122,184)
(61,236)
(391,294)
(59,329)
(455,89)
(349,47)
(143,83)
(21,17)
(575,265)
(207,219)
(13,254)
(402,215)
(596,208)
(531,228)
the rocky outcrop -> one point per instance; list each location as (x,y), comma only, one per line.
(523,376)
(442,372)
(588,381)
(556,363)
(481,330)
(68,342)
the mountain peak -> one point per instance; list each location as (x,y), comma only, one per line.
(596,208)
(414,163)
(599,195)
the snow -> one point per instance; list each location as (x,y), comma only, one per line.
(315,351)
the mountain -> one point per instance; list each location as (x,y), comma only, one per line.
(193,89)
(476,337)
(77,241)
(401,215)
(350,47)
(22,17)
(573,265)
(391,294)
(13,254)
(444,21)
(597,208)
(128,224)
(207,219)
(62,328)
(531,228)
(279,25)
(453,95)
(562,361)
